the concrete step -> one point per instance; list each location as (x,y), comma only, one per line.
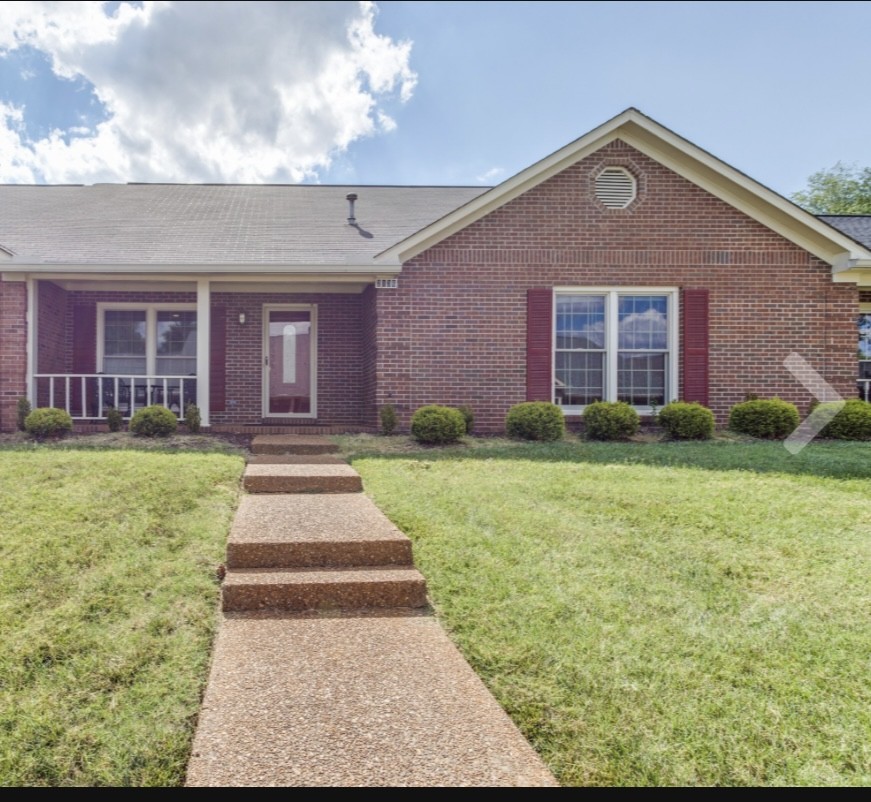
(307,531)
(292,444)
(295,459)
(301,479)
(318,589)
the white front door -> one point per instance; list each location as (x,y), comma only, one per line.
(290,361)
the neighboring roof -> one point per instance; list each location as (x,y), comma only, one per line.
(178,224)
(672,151)
(855,226)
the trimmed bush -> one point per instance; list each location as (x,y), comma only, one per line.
(389,419)
(24,409)
(610,420)
(436,425)
(192,418)
(468,416)
(114,419)
(768,418)
(681,420)
(48,422)
(535,420)
(853,422)
(153,421)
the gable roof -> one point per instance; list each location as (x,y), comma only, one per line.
(674,152)
(184,224)
(855,226)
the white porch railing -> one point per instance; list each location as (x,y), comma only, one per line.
(88,396)
(864,389)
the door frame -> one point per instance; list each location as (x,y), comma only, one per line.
(312,309)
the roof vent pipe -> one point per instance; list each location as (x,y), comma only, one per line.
(352,221)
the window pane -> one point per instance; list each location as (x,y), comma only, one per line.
(176,343)
(124,335)
(865,336)
(177,334)
(580,378)
(641,379)
(643,322)
(580,321)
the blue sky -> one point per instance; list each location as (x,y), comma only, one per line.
(420,92)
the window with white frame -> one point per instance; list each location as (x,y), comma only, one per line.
(152,340)
(615,345)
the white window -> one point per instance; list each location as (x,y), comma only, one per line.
(147,340)
(615,345)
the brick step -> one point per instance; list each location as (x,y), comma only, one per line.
(317,589)
(292,444)
(295,459)
(311,530)
(301,479)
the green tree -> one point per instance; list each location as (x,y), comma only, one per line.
(843,189)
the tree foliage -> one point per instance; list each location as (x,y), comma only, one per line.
(842,189)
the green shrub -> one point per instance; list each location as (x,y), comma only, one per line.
(770,418)
(24,409)
(468,416)
(610,420)
(192,418)
(686,421)
(48,422)
(535,420)
(153,421)
(114,419)
(389,419)
(435,425)
(853,422)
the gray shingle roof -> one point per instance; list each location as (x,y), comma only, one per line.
(855,226)
(215,224)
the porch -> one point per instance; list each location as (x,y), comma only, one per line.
(252,354)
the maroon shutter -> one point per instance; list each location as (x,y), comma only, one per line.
(85,338)
(539,345)
(694,345)
(218,359)
(84,361)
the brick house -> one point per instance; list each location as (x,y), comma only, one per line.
(628,265)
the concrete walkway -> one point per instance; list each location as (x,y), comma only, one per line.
(328,668)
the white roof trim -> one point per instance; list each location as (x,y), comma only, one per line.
(674,152)
(386,268)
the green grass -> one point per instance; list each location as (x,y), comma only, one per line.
(653,614)
(108,601)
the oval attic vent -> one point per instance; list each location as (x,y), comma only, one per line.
(615,187)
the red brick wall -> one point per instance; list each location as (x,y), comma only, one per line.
(454,332)
(13,350)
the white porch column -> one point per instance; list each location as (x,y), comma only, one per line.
(32,311)
(204,324)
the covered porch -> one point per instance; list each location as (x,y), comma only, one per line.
(247,350)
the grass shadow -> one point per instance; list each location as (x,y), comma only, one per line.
(825,459)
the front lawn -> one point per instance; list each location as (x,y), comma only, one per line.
(654,614)
(108,601)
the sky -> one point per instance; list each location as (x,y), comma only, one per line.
(419,92)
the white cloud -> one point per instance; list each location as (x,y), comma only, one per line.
(235,91)
(491,176)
